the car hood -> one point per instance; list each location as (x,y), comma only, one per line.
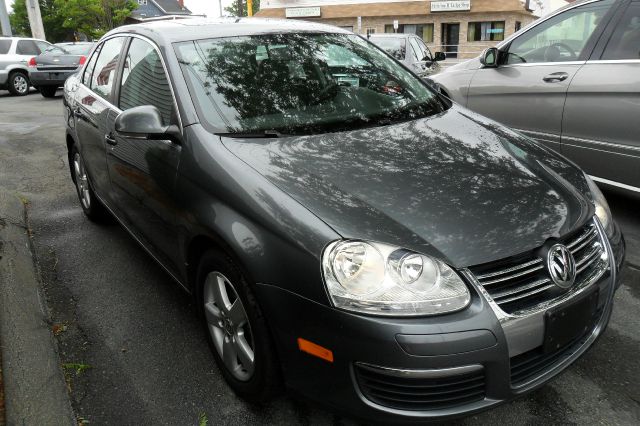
(471,64)
(455,185)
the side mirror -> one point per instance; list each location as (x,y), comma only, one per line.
(440,56)
(489,58)
(144,122)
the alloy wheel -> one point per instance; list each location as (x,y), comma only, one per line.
(229,326)
(20,83)
(82,183)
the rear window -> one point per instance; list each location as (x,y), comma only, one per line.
(5,45)
(78,49)
(396,47)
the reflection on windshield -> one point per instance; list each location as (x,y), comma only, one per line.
(300,84)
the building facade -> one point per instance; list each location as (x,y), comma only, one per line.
(461,28)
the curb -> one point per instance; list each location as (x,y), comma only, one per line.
(34,386)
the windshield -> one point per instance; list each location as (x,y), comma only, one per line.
(396,47)
(300,84)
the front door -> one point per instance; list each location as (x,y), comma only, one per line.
(528,90)
(600,130)
(143,172)
(451,38)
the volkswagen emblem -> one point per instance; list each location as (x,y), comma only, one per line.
(562,266)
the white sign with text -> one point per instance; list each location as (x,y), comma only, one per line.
(448,6)
(302,12)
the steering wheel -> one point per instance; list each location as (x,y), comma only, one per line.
(552,53)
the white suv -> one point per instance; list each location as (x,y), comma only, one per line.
(15,53)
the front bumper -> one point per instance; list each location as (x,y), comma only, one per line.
(49,78)
(466,357)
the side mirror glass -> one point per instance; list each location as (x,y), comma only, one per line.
(143,122)
(489,58)
(440,56)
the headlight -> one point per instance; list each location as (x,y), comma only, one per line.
(602,207)
(380,279)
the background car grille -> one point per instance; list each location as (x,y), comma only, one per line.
(524,283)
(535,362)
(420,394)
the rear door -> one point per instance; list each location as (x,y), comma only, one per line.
(143,172)
(601,126)
(528,90)
(94,101)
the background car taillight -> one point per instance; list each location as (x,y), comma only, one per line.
(32,63)
(83,59)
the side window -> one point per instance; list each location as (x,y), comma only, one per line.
(5,45)
(561,38)
(88,70)
(418,55)
(106,67)
(144,80)
(625,42)
(426,53)
(27,47)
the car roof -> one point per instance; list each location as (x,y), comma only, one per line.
(202,28)
(392,35)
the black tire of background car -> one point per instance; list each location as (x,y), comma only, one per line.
(48,91)
(12,82)
(96,212)
(266,382)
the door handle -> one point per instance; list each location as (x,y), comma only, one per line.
(555,77)
(110,139)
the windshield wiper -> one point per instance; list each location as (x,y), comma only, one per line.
(253,135)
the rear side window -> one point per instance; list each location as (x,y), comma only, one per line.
(88,71)
(144,80)
(104,73)
(27,47)
(5,45)
(625,42)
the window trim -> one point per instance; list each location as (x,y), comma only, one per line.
(116,90)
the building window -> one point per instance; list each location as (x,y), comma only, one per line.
(424,31)
(370,31)
(486,31)
(142,2)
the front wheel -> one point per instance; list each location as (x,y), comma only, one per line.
(236,330)
(19,84)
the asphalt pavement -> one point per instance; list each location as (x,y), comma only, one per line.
(133,352)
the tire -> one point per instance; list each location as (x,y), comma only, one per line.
(18,83)
(256,382)
(48,91)
(91,206)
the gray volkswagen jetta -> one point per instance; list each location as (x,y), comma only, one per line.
(345,231)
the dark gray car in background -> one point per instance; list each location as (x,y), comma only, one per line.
(570,81)
(49,70)
(344,229)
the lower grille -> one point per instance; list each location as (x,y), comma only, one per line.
(523,283)
(420,394)
(535,363)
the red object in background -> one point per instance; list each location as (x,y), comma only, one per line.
(32,63)
(83,59)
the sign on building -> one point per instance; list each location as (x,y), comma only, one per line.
(452,5)
(302,12)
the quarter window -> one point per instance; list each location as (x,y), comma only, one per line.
(88,70)
(5,45)
(561,38)
(486,31)
(27,47)
(625,42)
(106,67)
(144,80)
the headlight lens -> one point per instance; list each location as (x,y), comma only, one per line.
(380,279)
(602,207)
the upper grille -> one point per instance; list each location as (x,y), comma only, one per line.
(420,394)
(524,283)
